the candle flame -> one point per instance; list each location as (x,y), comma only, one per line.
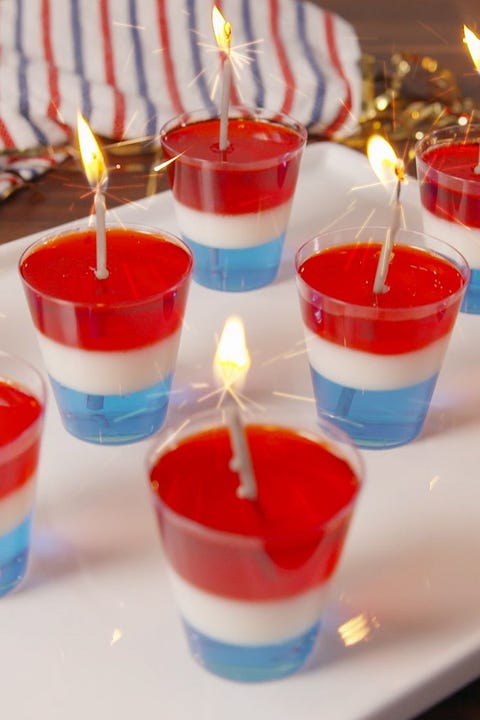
(92,158)
(383,160)
(232,359)
(473,44)
(222,30)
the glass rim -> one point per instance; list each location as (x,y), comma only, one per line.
(46,238)
(448,132)
(450,255)
(315,428)
(236,111)
(443,137)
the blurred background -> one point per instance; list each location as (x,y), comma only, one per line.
(425,28)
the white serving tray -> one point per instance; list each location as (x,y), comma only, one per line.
(93,631)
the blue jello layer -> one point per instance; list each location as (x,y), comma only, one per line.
(113,419)
(251,663)
(238,269)
(374,418)
(471,300)
(14,555)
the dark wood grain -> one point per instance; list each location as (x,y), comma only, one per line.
(63,195)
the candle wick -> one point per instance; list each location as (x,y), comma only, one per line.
(241,462)
(379,285)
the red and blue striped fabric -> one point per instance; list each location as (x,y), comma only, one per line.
(130,65)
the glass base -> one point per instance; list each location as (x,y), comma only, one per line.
(251,663)
(236,270)
(374,418)
(113,419)
(471,300)
(14,556)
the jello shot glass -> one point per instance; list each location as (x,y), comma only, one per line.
(251,576)
(375,357)
(22,406)
(448,171)
(109,345)
(233,206)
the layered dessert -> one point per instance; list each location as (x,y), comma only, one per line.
(233,206)
(21,416)
(251,575)
(448,168)
(109,345)
(375,357)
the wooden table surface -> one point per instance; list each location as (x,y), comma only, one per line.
(432,27)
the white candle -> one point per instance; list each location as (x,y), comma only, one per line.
(101,271)
(223,141)
(379,285)
(241,462)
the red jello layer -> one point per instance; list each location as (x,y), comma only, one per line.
(416,280)
(142,300)
(257,172)
(291,546)
(452,201)
(18,412)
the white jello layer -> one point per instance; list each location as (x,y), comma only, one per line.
(369,371)
(246,622)
(232,231)
(465,239)
(109,373)
(16,506)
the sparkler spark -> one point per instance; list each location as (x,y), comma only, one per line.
(129,26)
(293,396)
(170,438)
(348,210)
(161,166)
(287,354)
(238,60)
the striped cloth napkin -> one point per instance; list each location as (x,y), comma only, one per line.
(17,171)
(131,65)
